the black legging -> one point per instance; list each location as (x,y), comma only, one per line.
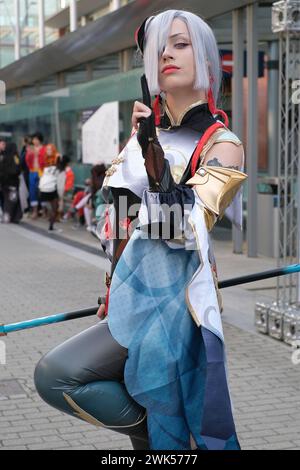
(84,377)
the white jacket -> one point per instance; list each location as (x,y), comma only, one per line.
(48,180)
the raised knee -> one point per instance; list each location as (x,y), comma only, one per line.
(43,377)
(51,381)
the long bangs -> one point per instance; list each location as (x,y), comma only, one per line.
(206,54)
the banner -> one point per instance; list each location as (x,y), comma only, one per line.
(100,135)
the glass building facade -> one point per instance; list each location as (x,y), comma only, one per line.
(28,21)
(56,105)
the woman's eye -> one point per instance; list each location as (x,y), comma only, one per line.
(181,45)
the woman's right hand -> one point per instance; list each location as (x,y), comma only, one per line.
(101,312)
(140,110)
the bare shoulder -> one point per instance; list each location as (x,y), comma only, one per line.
(226,154)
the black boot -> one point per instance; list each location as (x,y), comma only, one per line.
(139,444)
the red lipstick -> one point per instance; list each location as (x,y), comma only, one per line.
(170,69)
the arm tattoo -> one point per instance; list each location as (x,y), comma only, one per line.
(215,162)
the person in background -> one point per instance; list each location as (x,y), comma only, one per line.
(48,183)
(70,177)
(51,156)
(96,202)
(74,211)
(35,160)
(65,183)
(11,171)
(99,203)
(24,166)
(24,177)
(82,204)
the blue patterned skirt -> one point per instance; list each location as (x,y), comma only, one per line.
(176,370)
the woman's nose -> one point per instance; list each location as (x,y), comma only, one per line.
(166,53)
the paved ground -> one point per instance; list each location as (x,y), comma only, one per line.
(39,276)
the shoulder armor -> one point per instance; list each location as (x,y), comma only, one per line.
(227,135)
(216,186)
(221,135)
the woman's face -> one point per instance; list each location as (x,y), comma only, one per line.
(49,150)
(36,142)
(176,64)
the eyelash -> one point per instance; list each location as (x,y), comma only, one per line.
(181,44)
(178,44)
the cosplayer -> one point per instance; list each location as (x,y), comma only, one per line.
(35,161)
(48,183)
(155,367)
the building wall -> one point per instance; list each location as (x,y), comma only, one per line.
(60,119)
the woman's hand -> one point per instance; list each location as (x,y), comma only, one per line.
(101,312)
(140,110)
(144,121)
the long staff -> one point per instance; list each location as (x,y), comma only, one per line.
(59,317)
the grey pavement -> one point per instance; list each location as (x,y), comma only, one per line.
(41,276)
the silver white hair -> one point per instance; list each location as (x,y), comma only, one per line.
(206,54)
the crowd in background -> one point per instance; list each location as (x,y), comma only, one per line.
(40,182)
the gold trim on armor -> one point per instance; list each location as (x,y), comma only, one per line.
(210,219)
(192,311)
(110,171)
(118,160)
(214,140)
(181,116)
(219,297)
(90,419)
(217,186)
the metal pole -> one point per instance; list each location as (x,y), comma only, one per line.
(73,15)
(273,109)
(298,216)
(17,29)
(292,174)
(41,15)
(286,163)
(252,74)
(280,156)
(237,97)
(57,124)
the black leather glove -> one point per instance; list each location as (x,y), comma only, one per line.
(147,131)
(157,167)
